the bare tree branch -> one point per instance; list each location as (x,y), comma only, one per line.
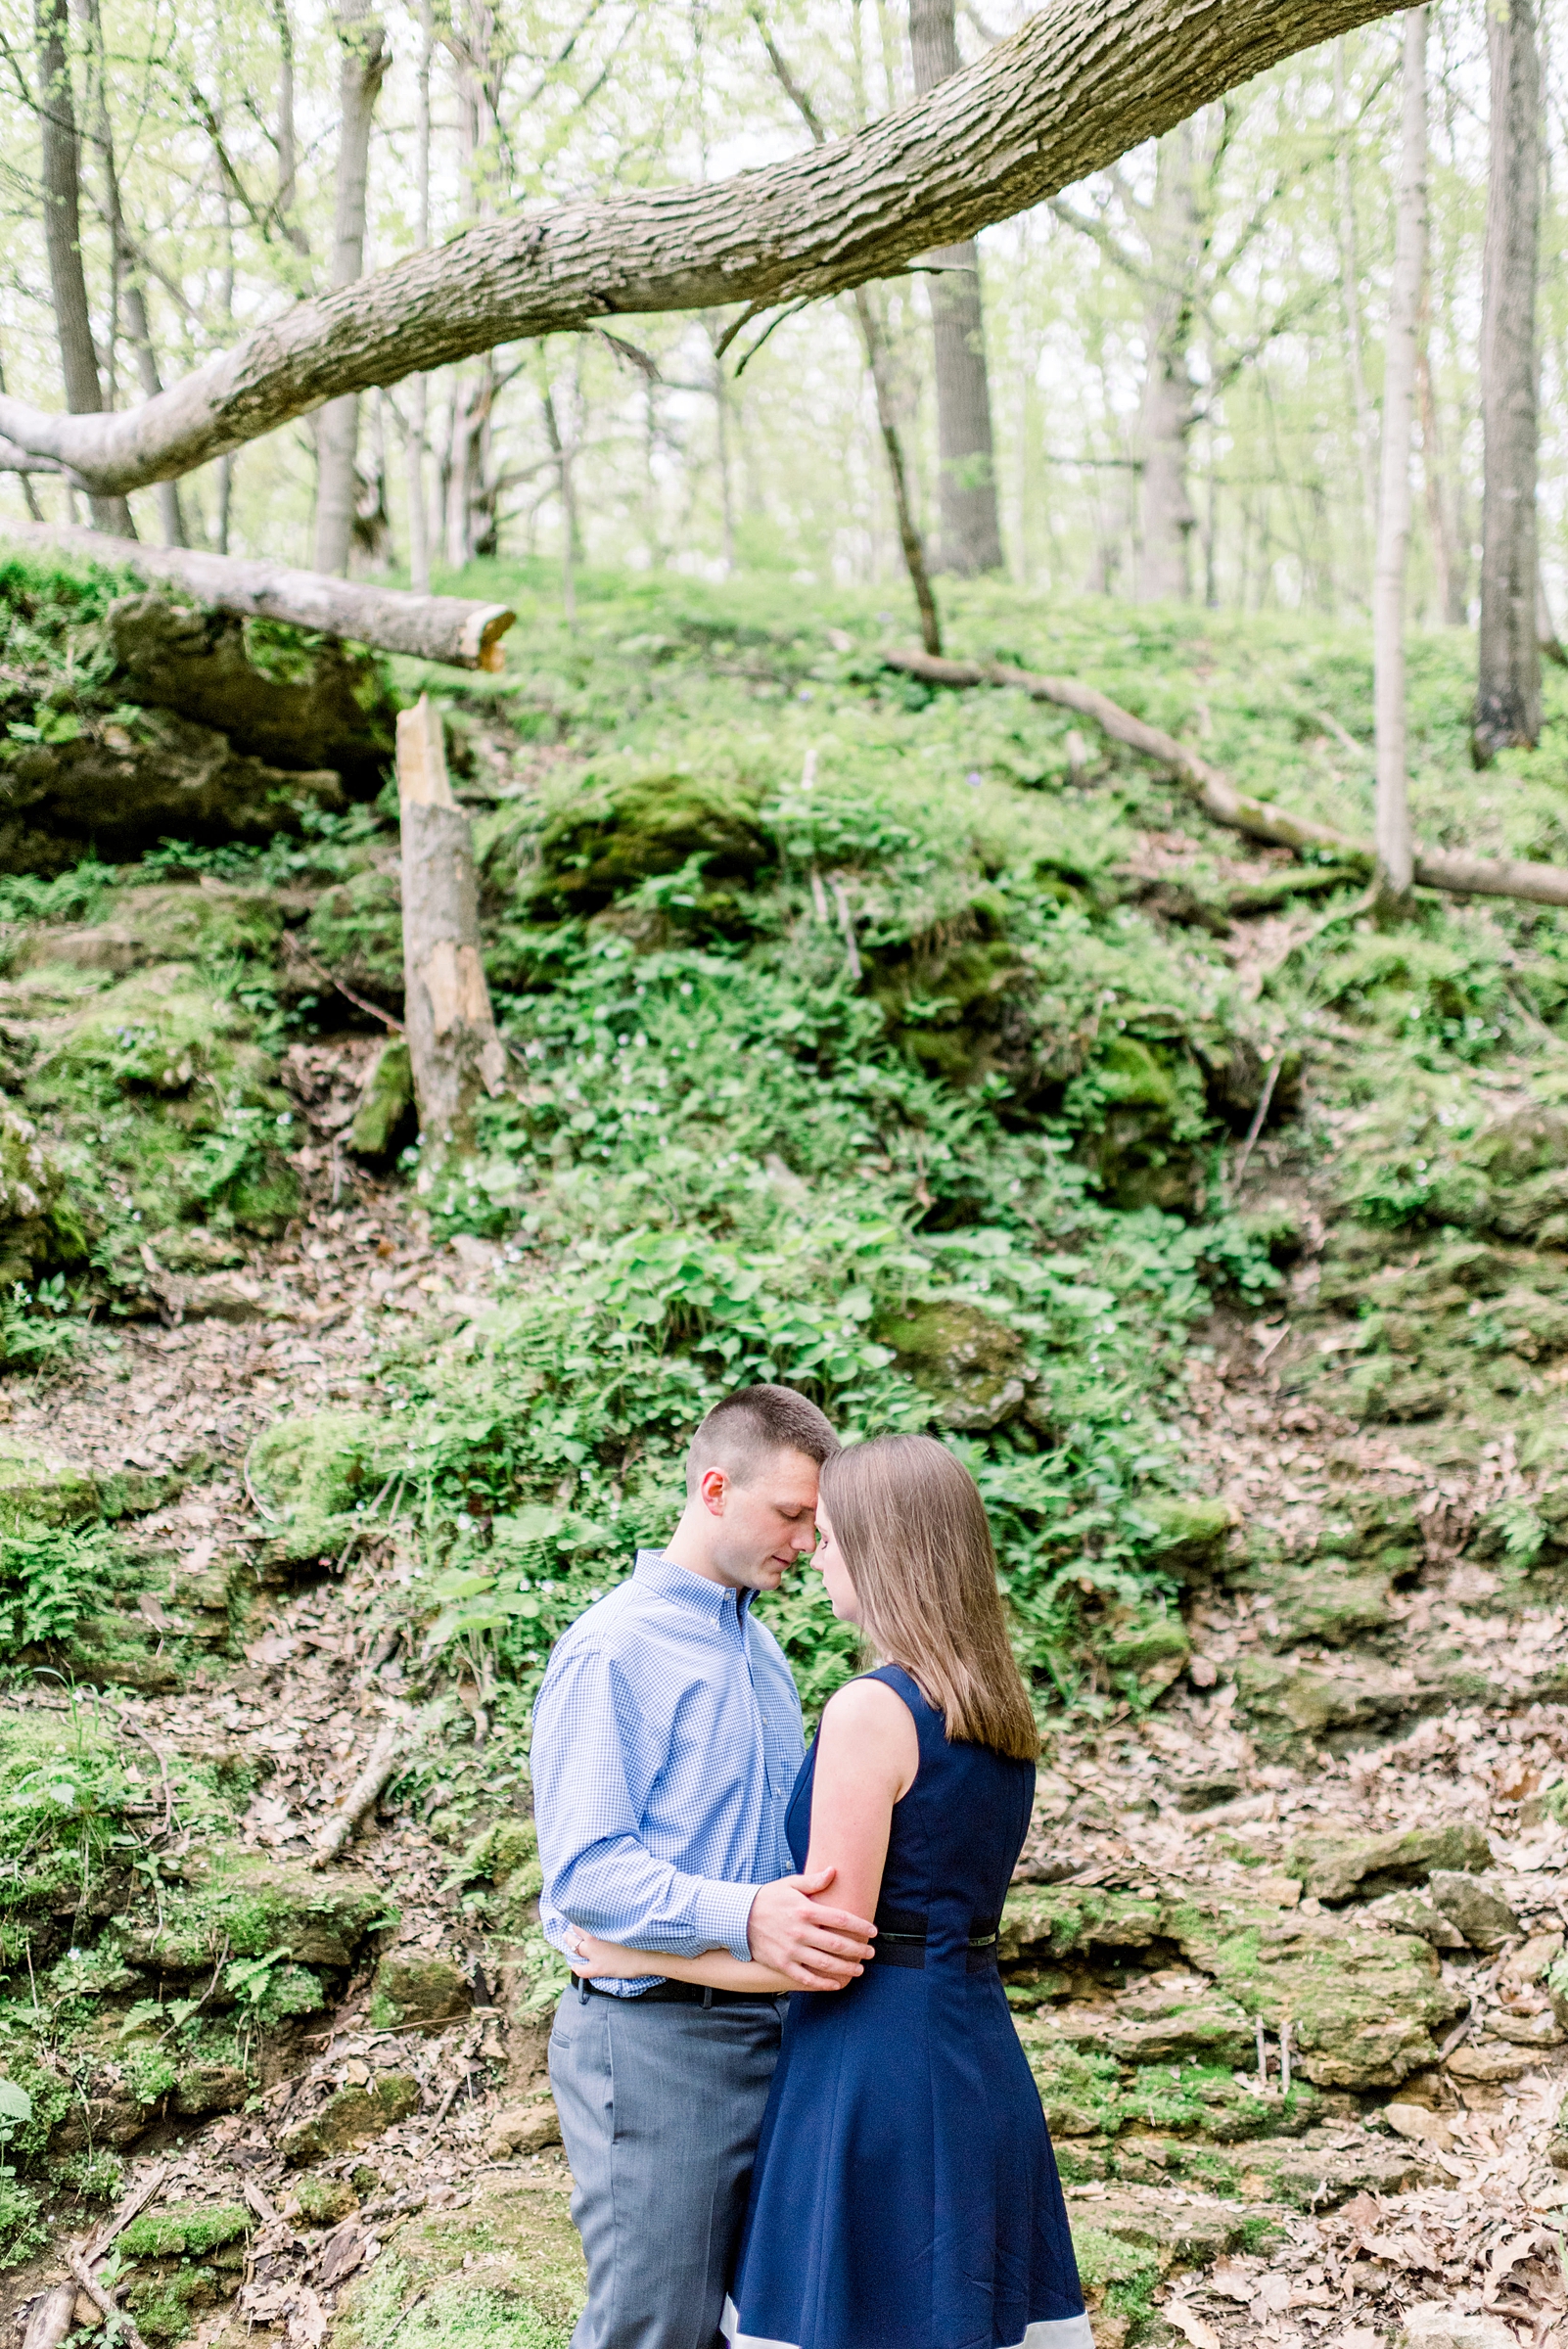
(1074,88)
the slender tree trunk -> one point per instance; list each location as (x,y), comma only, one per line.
(133,290)
(1394,850)
(1507,702)
(288,145)
(365,59)
(970,537)
(62,211)
(419,391)
(457,1057)
(1448,552)
(877,361)
(1167,419)
(1350,293)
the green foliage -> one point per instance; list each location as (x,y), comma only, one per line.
(49,1577)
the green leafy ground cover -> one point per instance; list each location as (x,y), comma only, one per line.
(982,1174)
(983,1183)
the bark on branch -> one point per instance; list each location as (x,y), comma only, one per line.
(432,627)
(1077,85)
(1435,868)
(366,1790)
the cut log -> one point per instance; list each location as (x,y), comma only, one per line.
(456,1053)
(1435,868)
(430,627)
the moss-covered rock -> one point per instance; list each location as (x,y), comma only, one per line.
(1474,1906)
(39,1487)
(506,2271)
(413,1988)
(186,2230)
(971,1364)
(1148,1650)
(1139,1109)
(619,830)
(1336,1868)
(256,1906)
(1156,2022)
(1188,1536)
(324,2201)
(1329,1602)
(309,1475)
(356,930)
(352,2117)
(385,1118)
(38,1224)
(1362,2002)
(297,700)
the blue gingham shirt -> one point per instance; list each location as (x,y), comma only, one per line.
(667,1739)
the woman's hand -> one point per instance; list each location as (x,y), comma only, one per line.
(606,1960)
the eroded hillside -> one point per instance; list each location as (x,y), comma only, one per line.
(913,1051)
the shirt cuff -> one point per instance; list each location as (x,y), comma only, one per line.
(720,1914)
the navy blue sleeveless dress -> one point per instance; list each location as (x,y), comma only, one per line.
(904,2194)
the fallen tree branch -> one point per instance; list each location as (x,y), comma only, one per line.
(1448,869)
(360,1797)
(432,627)
(119,2327)
(122,2216)
(1080,83)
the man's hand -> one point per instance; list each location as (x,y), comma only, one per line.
(816,1948)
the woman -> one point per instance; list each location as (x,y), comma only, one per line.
(904,2194)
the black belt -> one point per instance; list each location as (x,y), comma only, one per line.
(901,1941)
(683,1993)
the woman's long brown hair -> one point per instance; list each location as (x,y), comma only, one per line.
(913,1529)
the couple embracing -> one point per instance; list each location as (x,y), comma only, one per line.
(794,2103)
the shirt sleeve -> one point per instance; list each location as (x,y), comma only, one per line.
(590,1784)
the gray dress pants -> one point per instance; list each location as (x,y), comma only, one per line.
(659,2106)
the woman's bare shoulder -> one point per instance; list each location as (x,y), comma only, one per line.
(868,1708)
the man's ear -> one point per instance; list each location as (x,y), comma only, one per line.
(713,1486)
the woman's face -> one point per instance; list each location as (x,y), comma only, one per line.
(829,1563)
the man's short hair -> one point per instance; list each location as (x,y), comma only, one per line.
(751,1426)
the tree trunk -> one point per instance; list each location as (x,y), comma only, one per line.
(61,211)
(910,539)
(1441,509)
(365,59)
(970,537)
(1394,850)
(419,403)
(1507,702)
(1075,88)
(456,1054)
(137,323)
(878,359)
(1350,292)
(1167,419)
(432,627)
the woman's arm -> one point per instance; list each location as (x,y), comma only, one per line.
(716,1969)
(868,1756)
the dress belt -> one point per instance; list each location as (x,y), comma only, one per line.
(905,1944)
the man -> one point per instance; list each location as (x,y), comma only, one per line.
(667,1738)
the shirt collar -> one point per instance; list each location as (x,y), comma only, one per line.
(656,1573)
